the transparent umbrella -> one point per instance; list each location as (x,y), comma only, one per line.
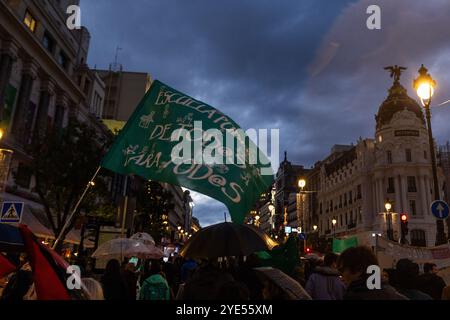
(143,237)
(124,247)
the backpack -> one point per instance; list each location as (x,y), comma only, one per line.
(155,288)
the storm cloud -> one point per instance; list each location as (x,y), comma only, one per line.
(310,68)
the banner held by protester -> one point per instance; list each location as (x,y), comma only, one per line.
(173,138)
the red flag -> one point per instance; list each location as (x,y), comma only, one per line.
(6,267)
(47,283)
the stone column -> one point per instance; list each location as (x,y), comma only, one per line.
(8,55)
(381,195)
(398,202)
(375,197)
(375,194)
(62,103)
(47,91)
(423,195)
(29,74)
(405,205)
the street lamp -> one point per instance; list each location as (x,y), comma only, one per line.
(301,183)
(334,221)
(424,85)
(388,207)
(314,227)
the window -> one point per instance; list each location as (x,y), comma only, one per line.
(48,42)
(346,218)
(412,207)
(350,197)
(340,220)
(30,21)
(391,185)
(425,156)
(389,156)
(63,60)
(359,214)
(345,199)
(412,184)
(408,155)
(359,195)
(418,238)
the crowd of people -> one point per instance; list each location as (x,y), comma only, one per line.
(335,277)
(342,277)
(183,279)
(345,277)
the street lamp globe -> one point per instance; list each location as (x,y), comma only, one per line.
(388,206)
(314,227)
(301,183)
(334,221)
(424,84)
(271,207)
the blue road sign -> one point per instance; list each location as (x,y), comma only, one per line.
(11,212)
(440,209)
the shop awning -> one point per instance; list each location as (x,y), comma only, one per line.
(33,214)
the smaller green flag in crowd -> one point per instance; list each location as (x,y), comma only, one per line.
(340,245)
(174,138)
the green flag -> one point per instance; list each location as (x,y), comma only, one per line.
(340,245)
(173,138)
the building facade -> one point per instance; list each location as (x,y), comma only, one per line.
(42,66)
(124,90)
(356,181)
(287,191)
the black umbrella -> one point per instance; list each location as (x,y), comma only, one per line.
(227,239)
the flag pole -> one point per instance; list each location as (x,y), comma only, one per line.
(66,224)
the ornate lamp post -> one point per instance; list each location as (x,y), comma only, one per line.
(334,221)
(388,207)
(301,185)
(424,85)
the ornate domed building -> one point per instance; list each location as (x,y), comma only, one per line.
(402,169)
(356,181)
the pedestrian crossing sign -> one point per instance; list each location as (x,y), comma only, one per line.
(11,212)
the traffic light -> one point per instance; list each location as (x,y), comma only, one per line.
(403,227)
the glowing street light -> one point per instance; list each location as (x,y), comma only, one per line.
(424,84)
(301,183)
(388,206)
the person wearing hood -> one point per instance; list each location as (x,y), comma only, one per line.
(325,283)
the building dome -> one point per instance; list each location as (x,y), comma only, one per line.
(397,100)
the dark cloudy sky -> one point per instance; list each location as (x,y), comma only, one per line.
(310,68)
